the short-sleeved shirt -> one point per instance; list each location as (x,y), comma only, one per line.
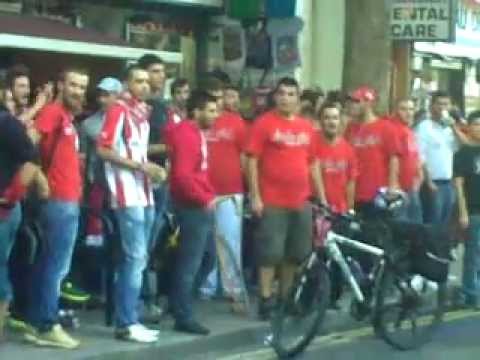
(16,149)
(59,146)
(374,143)
(158,119)
(437,145)
(409,155)
(339,167)
(89,132)
(285,150)
(466,165)
(226,142)
(126,131)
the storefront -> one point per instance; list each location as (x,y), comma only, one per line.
(452,66)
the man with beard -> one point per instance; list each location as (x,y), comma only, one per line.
(194,200)
(123,145)
(376,147)
(60,213)
(18,82)
(337,160)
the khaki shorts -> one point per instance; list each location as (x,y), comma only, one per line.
(284,235)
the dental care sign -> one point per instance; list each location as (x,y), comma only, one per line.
(422,20)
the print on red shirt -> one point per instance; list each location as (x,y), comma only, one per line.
(285,150)
(374,144)
(339,167)
(226,142)
(59,152)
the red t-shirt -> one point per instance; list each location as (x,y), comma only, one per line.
(409,157)
(285,150)
(59,152)
(374,144)
(226,142)
(339,166)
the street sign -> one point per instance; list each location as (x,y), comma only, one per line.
(422,20)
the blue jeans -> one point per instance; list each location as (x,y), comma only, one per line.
(8,233)
(135,225)
(441,203)
(194,260)
(228,220)
(412,211)
(471,262)
(59,222)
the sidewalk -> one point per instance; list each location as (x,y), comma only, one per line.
(229,331)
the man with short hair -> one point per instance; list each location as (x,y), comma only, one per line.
(438,139)
(410,171)
(19,172)
(60,213)
(282,166)
(180,91)
(18,81)
(157,153)
(232,98)
(466,172)
(123,145)
(376,147)
(226,142)
(337,160)
(194,200)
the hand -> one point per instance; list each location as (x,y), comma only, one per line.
(3,201)
(463,220)
(432,187)
(42,187)
(155,172)
(257,206)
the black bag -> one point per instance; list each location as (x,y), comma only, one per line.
(425,249)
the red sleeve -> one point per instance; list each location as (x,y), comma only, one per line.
(48,120)
(257,138)
(112,126)
(189,181)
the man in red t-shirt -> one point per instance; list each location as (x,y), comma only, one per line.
(376,147)
(411,174)
(337,160)
(60,214)
(226,140)
(194,200)
(282,165)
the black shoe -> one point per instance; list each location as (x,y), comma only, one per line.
(265,308)
(191,327)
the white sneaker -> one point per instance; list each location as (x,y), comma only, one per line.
(142,327)
(137,333)
(417,282)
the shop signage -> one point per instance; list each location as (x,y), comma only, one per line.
(422,20)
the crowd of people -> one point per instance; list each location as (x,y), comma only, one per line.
(140,157)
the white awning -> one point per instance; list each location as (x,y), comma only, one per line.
(82,48)
(450,50)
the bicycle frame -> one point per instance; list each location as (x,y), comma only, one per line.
(334,252)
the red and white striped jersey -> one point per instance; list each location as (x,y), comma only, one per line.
(126,131)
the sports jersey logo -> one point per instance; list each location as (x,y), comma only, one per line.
(370,140)
(331,165)
(289,138)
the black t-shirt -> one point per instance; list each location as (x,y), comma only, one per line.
(466,164)
(158,119)
(16,148)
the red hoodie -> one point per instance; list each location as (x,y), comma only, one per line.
(189,181)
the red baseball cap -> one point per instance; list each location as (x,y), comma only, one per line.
(364,93)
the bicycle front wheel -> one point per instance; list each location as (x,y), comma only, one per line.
(297,318)
(408,309)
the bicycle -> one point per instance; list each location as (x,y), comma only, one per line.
(388,293)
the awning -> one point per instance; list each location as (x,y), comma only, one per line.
(22,32)
(467,45)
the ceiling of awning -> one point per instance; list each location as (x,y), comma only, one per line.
(32,33)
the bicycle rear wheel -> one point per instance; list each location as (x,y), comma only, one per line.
(408,309)
(297,318)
